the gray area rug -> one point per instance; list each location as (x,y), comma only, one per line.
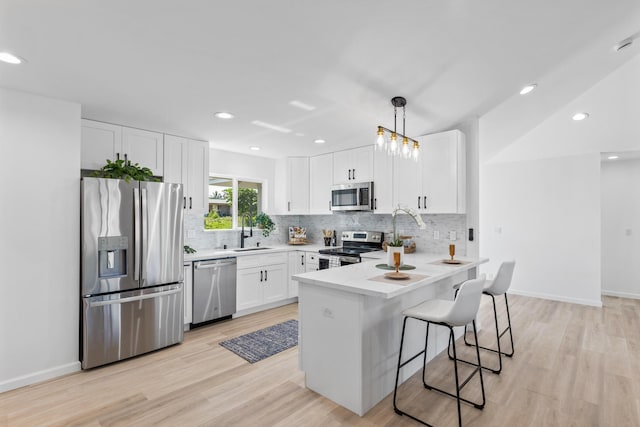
(266,342)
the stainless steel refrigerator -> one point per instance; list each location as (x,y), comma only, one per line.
(131,269)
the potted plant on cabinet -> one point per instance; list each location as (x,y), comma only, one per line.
(265,223)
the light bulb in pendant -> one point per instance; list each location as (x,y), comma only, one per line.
(415,151)
(393,146)
(406,151)
(380,140)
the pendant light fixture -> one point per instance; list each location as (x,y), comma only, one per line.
(408,148)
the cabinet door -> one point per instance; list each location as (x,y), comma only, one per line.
(249,289)
(99,142)
(298,185)
(175,160)
(342,167)
(312,262)
(382,182)
(198,176)
(407,186)
(275,283)
(188,293)
(320,181)
(145,148)
(296,266)
(443,172)
(362,164)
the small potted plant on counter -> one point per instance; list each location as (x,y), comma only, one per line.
(397,244)
(265,223)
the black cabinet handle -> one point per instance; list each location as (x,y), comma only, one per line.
(261,275)
(184,202)
(349,174)
(424,204)
(375,203)
(126,161)
(288,206)
(353,174)
(117,156)
(329,205)
(418,202)
(265,275)
(301,259)
(190,203)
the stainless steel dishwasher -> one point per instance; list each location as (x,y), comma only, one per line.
(214,289)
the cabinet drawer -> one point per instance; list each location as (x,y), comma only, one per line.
(262,260)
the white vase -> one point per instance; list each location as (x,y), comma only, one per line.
(390,251)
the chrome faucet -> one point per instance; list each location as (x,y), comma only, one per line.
(242,235)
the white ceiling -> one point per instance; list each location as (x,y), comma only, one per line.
(169,65)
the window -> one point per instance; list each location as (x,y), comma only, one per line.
(226,209)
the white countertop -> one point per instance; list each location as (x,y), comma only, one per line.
(225,253)
(355,278)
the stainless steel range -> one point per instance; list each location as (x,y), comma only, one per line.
(354,243)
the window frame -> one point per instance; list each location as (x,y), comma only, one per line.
(235,179)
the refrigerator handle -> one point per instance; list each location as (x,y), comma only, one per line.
(136,298)
(144,234)
(136,233)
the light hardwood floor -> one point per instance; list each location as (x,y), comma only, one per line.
(574,366)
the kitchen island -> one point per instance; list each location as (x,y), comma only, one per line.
(351,321)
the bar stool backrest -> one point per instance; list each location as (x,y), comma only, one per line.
(502,281)
(466,305)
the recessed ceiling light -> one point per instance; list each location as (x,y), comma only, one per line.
(580,116)
(10,58)
(224,115)
(319,141)
(254,148)
(302,105)
(613,157)
(270,126)
(528,88)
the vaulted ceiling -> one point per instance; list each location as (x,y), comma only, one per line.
(169,65)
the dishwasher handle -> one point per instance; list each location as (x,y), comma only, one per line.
(204,265)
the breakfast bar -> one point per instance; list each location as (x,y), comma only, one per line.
(350,325)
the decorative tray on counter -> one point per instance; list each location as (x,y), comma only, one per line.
(297,241)
(402,267)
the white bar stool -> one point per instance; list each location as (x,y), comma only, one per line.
(498,286)
(459,312)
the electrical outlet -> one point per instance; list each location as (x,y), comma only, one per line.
(452,235)
(436,235)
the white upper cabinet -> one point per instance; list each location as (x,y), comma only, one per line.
(444,172)
(320,181)
(382,182)
(355,165)
(102,141)
(187,162)
(292,182)
(437,182)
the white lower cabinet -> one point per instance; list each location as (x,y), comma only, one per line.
(297,265)
(261,279)
(312,262)
(188,293)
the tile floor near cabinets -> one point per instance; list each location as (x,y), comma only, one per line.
(574,365)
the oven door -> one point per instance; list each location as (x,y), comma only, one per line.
(348,260)
(323,262)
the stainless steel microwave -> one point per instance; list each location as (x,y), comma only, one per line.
(352,197)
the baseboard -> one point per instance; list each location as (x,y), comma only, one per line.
(39,376)
(265,307)
(620,294)
(593,303)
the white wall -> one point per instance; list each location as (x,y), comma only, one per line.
(545,214)
(243,166)
(471,132)
(39,248)
(621,228)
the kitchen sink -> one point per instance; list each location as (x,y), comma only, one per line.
(249,249)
